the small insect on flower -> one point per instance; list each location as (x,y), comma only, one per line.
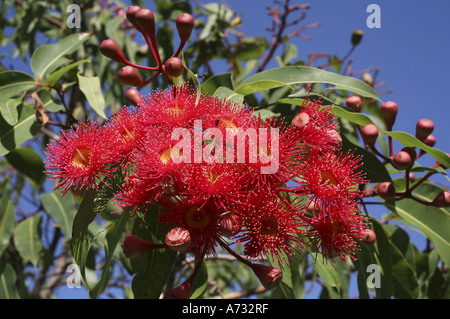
(81,157)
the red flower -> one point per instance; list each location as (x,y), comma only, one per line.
(316,125)
(330,176)
(81,156)
(335,229)
(269,226)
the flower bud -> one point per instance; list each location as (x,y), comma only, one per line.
(111,49)
(301,120)
(354,102)
(174,66)
(134,246)
(269,276)
(179,239)
(183,291)
(368,236)
(369,134)
(442,200)
(412,153)
(386,190)
(438,164)
(424,128)
(131,15)
(130,76)
(430,140)
(133,96)
(389,111)
(402,160)
(145,20)
(230,225)
(184,24)
(357,37)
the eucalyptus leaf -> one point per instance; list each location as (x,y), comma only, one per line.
(91,88)
(26,161)
(7,221)
(61,209)
(27,239)
(14,82)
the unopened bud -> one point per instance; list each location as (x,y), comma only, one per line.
(133,96)
(389,111)
(386,190)
(357,37)
(369,134)
(368,236)
(354,102)
(402,160)
(174,66)
(131,15)
(184,24)
(301,120)
(183,291)
(424,128)
(134,246)
(230,225)
(269,276)
(145,20)
(111,49)
(442,200)
(179,239)
(130,76)
(430,140)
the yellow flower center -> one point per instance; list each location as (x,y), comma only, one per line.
(82,157)
(166,155)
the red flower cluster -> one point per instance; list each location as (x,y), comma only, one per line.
(222,176)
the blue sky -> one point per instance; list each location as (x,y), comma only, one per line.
(411,50)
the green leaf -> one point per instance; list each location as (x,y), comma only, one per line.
(294,75)
(12,137)
(9,111)
(8,288)
(49,57)
(14,82)
(153,268)
(7,221)
(213,83)
(433,221)
(61,209)
(48,103)
(375,171)
(326,271)
(54,77)
(112,238)
(229,95)
(27,239)
(200,282)
(405,284)
(28,163)
(92,90)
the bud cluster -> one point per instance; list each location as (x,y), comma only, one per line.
(143,20)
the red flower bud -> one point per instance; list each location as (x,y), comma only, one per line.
(134,246)
(131,15)
(301,120)
(230,225)
(402,160)
(386,190)
(111,49)
(145,20)
(174,66)
(354,102)
(185,24)
(269,276)
(133,96)
(130,76)
(183,291)
(179,239)
(412,153)
(424,128)
(442,200)
(368,236)
(389,111)
(430,140)
(369,134)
